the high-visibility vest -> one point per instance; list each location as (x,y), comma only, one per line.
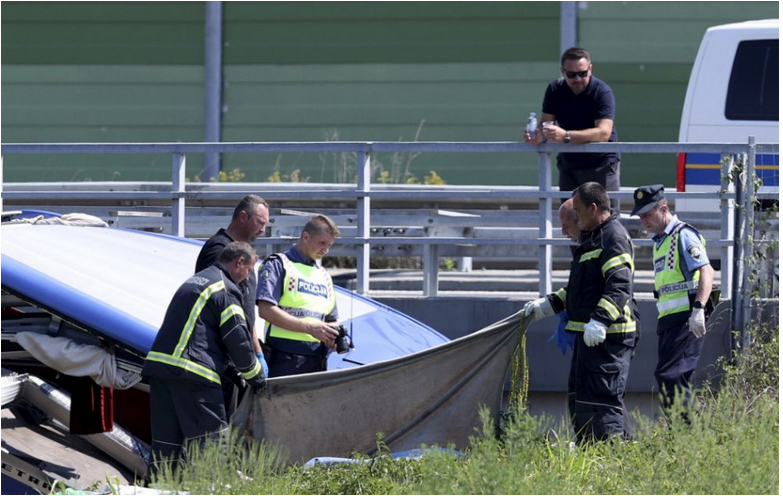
(671,284)
(308,294)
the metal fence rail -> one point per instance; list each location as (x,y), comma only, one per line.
(363,193)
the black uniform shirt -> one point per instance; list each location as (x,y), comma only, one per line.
(209,255)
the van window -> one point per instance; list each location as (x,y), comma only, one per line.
(753,87)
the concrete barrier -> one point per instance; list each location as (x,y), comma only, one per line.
(456,316)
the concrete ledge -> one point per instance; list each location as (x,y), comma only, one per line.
(456,316)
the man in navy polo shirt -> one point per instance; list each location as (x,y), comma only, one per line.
(579,108)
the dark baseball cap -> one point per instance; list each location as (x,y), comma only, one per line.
(646,197)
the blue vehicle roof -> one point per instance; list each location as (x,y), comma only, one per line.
(118,284)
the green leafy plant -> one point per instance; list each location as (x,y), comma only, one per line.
(235,175)
(761,256)
(448,264)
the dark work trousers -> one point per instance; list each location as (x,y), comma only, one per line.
(183,412)
(678,355)
(596,388)
(282,363)
(607,176)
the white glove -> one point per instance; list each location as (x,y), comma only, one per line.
(539,309)
(595,333)
(696,322)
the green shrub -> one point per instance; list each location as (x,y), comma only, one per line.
(756,370)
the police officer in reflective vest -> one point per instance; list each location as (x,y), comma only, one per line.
(203,328)
(683,286)
(296,298)
(601,314)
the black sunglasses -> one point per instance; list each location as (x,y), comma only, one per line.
(572,75)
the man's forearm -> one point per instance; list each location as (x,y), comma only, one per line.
(592,135)
(706,275)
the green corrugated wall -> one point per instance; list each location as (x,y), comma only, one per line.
(101,72)
(387,71)
(312,71)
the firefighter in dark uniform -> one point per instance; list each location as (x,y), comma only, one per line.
(601,313)
(203,328)
(683,286)
(251,215)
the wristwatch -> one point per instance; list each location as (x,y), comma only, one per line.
(698,305)
(567,138)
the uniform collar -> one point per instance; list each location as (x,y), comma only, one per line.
(225,271)
(297,256)
(596,231)
(668,230)
(600,226)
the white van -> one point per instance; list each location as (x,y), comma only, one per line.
(733,93)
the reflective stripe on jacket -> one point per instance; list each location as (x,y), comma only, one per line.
(203,328)
(600,285)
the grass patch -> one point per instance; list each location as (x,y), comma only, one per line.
(731,446)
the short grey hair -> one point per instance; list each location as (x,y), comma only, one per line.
(235,250)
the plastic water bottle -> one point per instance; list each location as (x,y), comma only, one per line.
(532,126)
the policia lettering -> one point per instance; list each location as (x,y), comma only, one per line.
(671,286)
(307,294)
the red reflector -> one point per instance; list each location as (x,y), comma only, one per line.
(681,171)
(10,311)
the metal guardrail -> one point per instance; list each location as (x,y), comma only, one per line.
(363,193)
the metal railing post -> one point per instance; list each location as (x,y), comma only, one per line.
(748,240)
(213,84)
(545,223)
(727,229)
(363,171)
(569,25)
(177,200)
(739,252)
(430,265)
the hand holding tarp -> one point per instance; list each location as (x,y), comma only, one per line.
(538,309)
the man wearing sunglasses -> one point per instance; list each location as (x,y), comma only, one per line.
(583,107)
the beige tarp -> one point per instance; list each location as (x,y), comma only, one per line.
(77,359)
(74,219)
(430,397)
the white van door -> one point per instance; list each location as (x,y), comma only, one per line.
(733,93)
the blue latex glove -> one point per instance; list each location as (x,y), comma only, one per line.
(564,338)
(264,366)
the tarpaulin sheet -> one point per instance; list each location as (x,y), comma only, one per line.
(430,397)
